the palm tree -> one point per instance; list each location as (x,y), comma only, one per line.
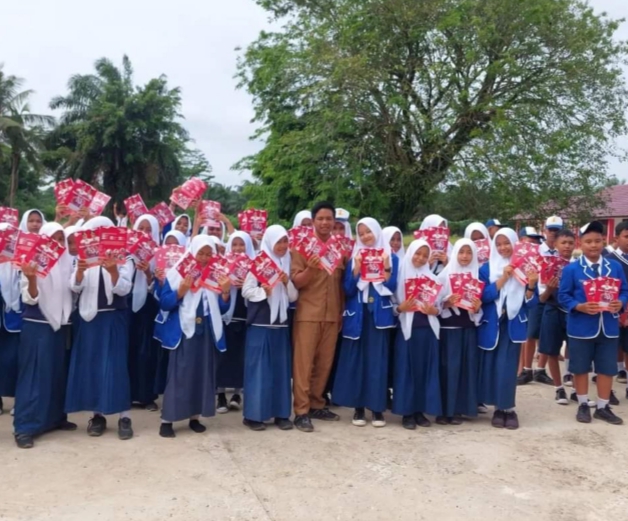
(21,131)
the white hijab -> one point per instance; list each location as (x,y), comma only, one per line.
(433,221)
(140,286)
(454,267)
(9,283)
(55,296)
(24,221)
(177,219)
(513,290)
(380,244)
(88,302)
(190,302)
(476,227)
(250,252)
(181,238)
(389,232)
(408,271)
(278,299)
(300,217)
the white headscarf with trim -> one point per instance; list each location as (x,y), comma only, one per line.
(380,244)
(409,271)
(182,240)
(140,286)
(278,299)
(177,219)
(476,227)
(512,292)
(190,302)
(24,222)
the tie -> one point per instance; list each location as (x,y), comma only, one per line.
(552,252)
(596,269)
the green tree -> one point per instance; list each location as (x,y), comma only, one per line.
(125,138)
(375,103)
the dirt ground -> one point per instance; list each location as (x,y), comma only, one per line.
(552,468)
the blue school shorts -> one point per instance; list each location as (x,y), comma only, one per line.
(535,315)
(623,339)
(601,351)
(553,331)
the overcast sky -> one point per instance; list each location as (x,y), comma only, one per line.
(191,41)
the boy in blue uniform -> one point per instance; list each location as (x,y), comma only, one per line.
(593,333)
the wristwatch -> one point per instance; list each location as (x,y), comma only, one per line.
(388,270)
(528,288)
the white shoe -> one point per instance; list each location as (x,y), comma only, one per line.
(359,420)
(482,409)
(378,420)
(13,411)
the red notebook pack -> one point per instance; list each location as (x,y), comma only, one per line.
(113,243)
(210,213)
(467,288)
(551,266)
(163,214)
(193,189)
(9,216)
(167,256)
(484,250)
(135,207)
(23,246)
(8,242)
(81,196)
(254,222)
(45,254)
(266,270)
(372,268)
(63,189)
(437,237)
(423,291)
(299,233)
(189,266)
(216,269)
(603,291)
(525,258)
(98,204)
(88,246)
(239,265)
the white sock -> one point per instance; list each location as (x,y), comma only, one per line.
(512,409)
(621,366)
(165,421)
(527,369)
(601,403)
(567,371)
(220,390)
(125,414)
(582,398)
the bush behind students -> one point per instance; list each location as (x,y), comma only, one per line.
(593,332)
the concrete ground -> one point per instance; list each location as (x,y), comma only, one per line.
(552,468)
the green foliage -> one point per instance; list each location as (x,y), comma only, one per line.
(374,104)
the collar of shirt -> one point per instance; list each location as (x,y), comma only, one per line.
(591,263)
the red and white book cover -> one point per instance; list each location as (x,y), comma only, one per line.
(254,222)
(467,288)
(239,265)
(45,254)
(372,268)
(8,242)
(63,189)
(163,214)
(98,204)
(145,251)
(9,216)
(133,239)
(311,246)
(88,246)
(23,246)
(423,291)
(81,196)
(412,289)
(167,256)
(525,258)
(210,213)
(345,244)
(484,250)
(331,258)
(299,233)
(135,207)
(602,290)
(437,237)
(551,266)
(189,266)
(113,243)
(192,189)
(266,270)
(216,269)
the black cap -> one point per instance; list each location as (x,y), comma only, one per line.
(592,227)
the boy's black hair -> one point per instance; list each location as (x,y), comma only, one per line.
(323,205)
(622,226)
(565,233)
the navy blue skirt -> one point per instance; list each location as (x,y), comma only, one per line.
(99,374)
(143,352)
(362,373)
(191,386)
(42,379)
(9,347)
(498,371)
(459,371)
(162,371)
(230,364)
(267,373)
(417,377)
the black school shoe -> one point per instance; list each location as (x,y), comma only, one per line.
(456,419)
(561,397)
(421,420)
(408,422)
(197,426)
(151,407)
(235,404)
(65,425)
(284,424)
(166,430)
(222,407)
(24,441)
(125,428)
(622,377)
(613,400)
(441,420)
(303,423)
(359,417)
(499,419)
(541,376)
(254,426)
(584,413)
(323,414)
(525,377)
(96,426)
(511,421)
(607,415)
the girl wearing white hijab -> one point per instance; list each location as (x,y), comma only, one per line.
(361,379)
(439,259)
(505,305)
(230,364)
(267,358)
(477,232)
(458,340)
(394,237)
(143,348)
(11,320)
(42,380)
(194,331)
(303,218)
(417,378)
(98,379)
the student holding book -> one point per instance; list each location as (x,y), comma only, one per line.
(593,330)
(439,259)
(620,255)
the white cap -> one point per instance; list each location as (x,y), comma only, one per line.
(554,222)
(342,214)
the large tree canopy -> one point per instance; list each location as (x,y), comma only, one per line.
(375,103)
(124,138)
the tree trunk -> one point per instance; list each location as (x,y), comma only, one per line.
(15,164)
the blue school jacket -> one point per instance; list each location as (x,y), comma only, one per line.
(571,293)
(488,331)
(169,331)
(382,306)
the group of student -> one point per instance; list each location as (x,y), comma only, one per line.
(105,338)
